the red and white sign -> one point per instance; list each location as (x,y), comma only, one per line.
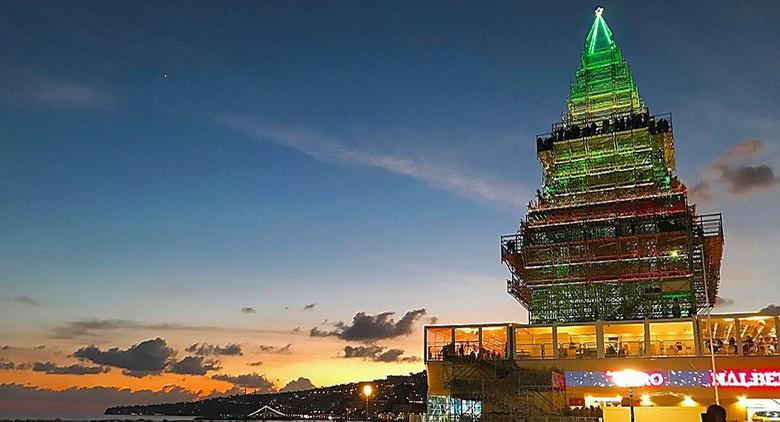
(747,378)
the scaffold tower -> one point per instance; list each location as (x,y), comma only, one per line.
(611,234)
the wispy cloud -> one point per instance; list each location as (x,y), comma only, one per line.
(27,300)
(67,94)
(447,177)
(94,327)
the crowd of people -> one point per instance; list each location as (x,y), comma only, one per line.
(761,345)
(619,124)
(467,350)
(586,411)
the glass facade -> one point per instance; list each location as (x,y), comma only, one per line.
(534,343)
(758,335)
(624,340)
(733,335)
(449,409)
(672,339)
(577,341)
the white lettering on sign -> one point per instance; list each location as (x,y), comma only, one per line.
(751,378)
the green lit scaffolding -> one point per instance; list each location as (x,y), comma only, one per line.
(611,234)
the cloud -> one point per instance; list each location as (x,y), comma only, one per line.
(377,353)
(257,363)
(20,399)
(309,306)
(733,171)
(145,358)
(65,94)
(248,310)
(75,369)
(194,365)
(369,328)
(273,349)
(232,391)
(93,327)
(26,300)
(297,329)
(5,347)
(298,385)
(746,179)
(39,347)
(369,351)
(723,301)
(433,319)
(205,349)
(329,150)
(6,365)
(770,309)
(253,380)
(701,193)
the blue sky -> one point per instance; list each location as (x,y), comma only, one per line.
(174,162)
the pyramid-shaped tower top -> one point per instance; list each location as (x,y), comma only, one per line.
(603,85)
(600,36)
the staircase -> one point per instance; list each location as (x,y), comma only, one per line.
(707,239)
(510,393)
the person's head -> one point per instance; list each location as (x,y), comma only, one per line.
(716,413)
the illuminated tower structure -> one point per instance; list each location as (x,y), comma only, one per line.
(611,235)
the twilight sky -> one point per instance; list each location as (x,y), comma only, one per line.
(237,174)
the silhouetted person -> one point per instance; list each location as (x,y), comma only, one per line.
(733,346)
(715,413)
(676,313)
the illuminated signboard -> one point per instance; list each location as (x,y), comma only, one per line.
(746,378)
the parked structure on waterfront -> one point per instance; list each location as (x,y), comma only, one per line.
(618,273)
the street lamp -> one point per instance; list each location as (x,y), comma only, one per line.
(367,391)
(630,378)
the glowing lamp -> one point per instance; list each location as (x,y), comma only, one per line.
(646,400)
(367,390)
(688,402)
(630,378)
(742,401)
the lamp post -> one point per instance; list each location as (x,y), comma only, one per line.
(367,391)
(630,378)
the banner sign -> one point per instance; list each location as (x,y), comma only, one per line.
(743,378)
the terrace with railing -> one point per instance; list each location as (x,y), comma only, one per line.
(658,123)
(751,334)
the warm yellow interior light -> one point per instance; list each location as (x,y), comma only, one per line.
(367,390)
(688,402)
(742,401)
(646,400)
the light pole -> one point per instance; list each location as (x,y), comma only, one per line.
(367,390)
(630,378)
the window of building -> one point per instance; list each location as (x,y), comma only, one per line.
(723,334)
(533,343)
(494,342)
(672,339)
(577,341)
(758,335)
(466,342)
(438,342)
(624,340)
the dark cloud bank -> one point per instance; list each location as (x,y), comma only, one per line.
(378,354)
(734,172)
(370,328)
(206,349)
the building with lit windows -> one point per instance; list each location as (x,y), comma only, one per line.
(618,273)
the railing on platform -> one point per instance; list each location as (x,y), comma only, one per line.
(658,123)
